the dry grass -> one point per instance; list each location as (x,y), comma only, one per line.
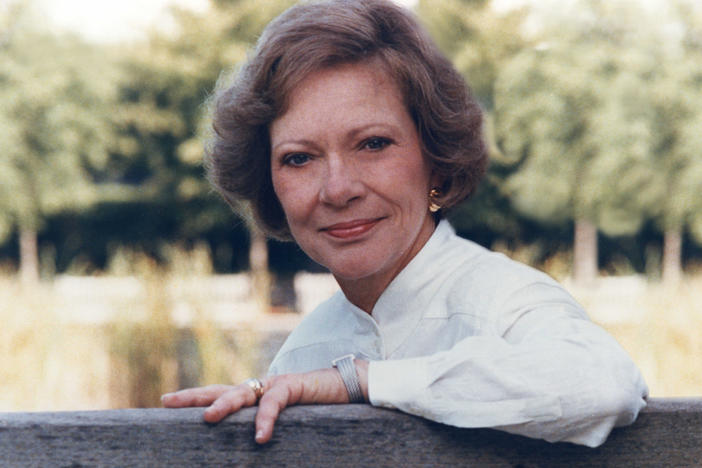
(153,356)
(50,363)
(45,363)
(666,340)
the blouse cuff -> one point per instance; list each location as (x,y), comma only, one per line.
(396,381)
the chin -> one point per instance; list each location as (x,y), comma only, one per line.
(347,272)
(353,271)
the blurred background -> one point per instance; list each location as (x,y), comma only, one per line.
(123,276)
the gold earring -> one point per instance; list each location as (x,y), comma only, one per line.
(433,205)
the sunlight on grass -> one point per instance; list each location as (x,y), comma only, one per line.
(43,362)
(51,361)
(667,342)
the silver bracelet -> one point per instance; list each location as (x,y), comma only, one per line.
(347,369)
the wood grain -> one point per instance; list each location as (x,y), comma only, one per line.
(668,433)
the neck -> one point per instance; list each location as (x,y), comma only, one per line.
(365,292)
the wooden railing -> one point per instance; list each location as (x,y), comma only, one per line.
(668,433)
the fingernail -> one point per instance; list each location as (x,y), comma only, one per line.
(259,435)
(166,395)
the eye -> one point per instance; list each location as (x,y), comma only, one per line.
(375,143)
(296,159)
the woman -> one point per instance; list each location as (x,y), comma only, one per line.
(349,132)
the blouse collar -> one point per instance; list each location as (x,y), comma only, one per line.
(400,307)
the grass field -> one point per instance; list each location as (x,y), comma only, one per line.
(664,336)
(51,361)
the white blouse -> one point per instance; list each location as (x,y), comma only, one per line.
(470,338)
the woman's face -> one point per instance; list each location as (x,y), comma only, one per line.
(348,170)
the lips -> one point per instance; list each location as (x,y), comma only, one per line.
(351,229)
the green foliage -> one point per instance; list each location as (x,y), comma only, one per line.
(88,127)
(475,37)
(55,97)
(537,118)
(593,110)
(597,121)
(162,120)
(678,140)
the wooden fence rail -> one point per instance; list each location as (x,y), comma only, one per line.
(668,433)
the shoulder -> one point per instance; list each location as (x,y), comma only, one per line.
(324,321)
(468,264)
(324,334)
(491,284)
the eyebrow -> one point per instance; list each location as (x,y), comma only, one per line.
(301,142)
(386,126)
(351,135)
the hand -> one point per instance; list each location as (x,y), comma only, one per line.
(317,387)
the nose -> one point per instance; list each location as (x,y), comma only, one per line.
(342,183)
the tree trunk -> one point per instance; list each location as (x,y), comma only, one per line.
(29,256)
(258,262)
(585,253)
(672,256)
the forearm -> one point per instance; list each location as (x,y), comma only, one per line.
(554,389)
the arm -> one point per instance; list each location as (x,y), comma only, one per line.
(542,370)
(317,387)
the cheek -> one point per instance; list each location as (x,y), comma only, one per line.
(282,193)
(412,180)
(277,187)
(293,195)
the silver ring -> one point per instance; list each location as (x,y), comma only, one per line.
(255,385)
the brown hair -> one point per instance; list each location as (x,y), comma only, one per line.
(312,36)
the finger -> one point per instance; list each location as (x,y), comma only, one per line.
(200,396)
(230,402)
(268,410)
(281,393)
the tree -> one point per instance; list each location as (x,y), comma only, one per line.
(475,37)
(575,119)
(54,124)
(678,98)
(625,51)
(163,117)
(164,120)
